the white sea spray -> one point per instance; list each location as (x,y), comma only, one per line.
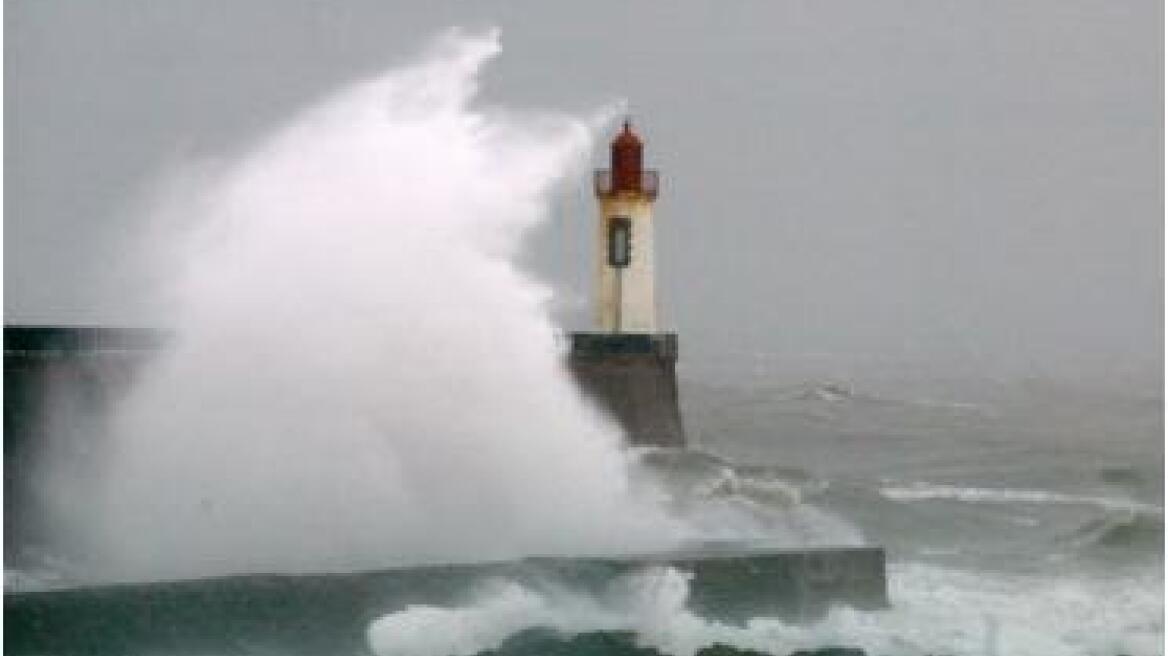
(359,373)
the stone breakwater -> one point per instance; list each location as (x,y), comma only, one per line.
(329,613)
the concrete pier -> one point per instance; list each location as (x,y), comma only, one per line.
(329,613)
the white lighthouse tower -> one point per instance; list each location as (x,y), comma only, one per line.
(625,364)
(625,301)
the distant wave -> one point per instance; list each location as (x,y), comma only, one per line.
(1120,475)
(921,491)
(1122,530)
(830,391)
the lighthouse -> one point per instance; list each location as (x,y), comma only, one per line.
(625,300)
(626,364)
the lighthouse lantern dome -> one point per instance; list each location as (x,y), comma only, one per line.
(627,150)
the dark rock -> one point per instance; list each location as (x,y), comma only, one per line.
(832,651)
(719,649)
(547,642)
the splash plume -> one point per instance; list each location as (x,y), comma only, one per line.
(360,374)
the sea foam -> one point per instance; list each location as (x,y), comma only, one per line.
(935,610)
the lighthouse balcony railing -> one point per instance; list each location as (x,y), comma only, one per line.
(648,183)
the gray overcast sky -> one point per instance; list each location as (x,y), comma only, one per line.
(971,183)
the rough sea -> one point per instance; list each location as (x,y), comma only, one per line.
(1020,517)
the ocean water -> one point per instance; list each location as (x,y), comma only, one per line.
(1019,517)
(1024,520)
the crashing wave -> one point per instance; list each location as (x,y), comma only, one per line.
(1122,529)
(924,491)
(647,613)
(720,500)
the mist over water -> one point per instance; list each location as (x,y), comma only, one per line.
(360,375)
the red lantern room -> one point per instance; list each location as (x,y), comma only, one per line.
(627,150)
(627,173)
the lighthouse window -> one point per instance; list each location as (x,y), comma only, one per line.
(619,238)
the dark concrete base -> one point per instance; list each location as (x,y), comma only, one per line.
(633,377)
(59,382)
(315,614)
